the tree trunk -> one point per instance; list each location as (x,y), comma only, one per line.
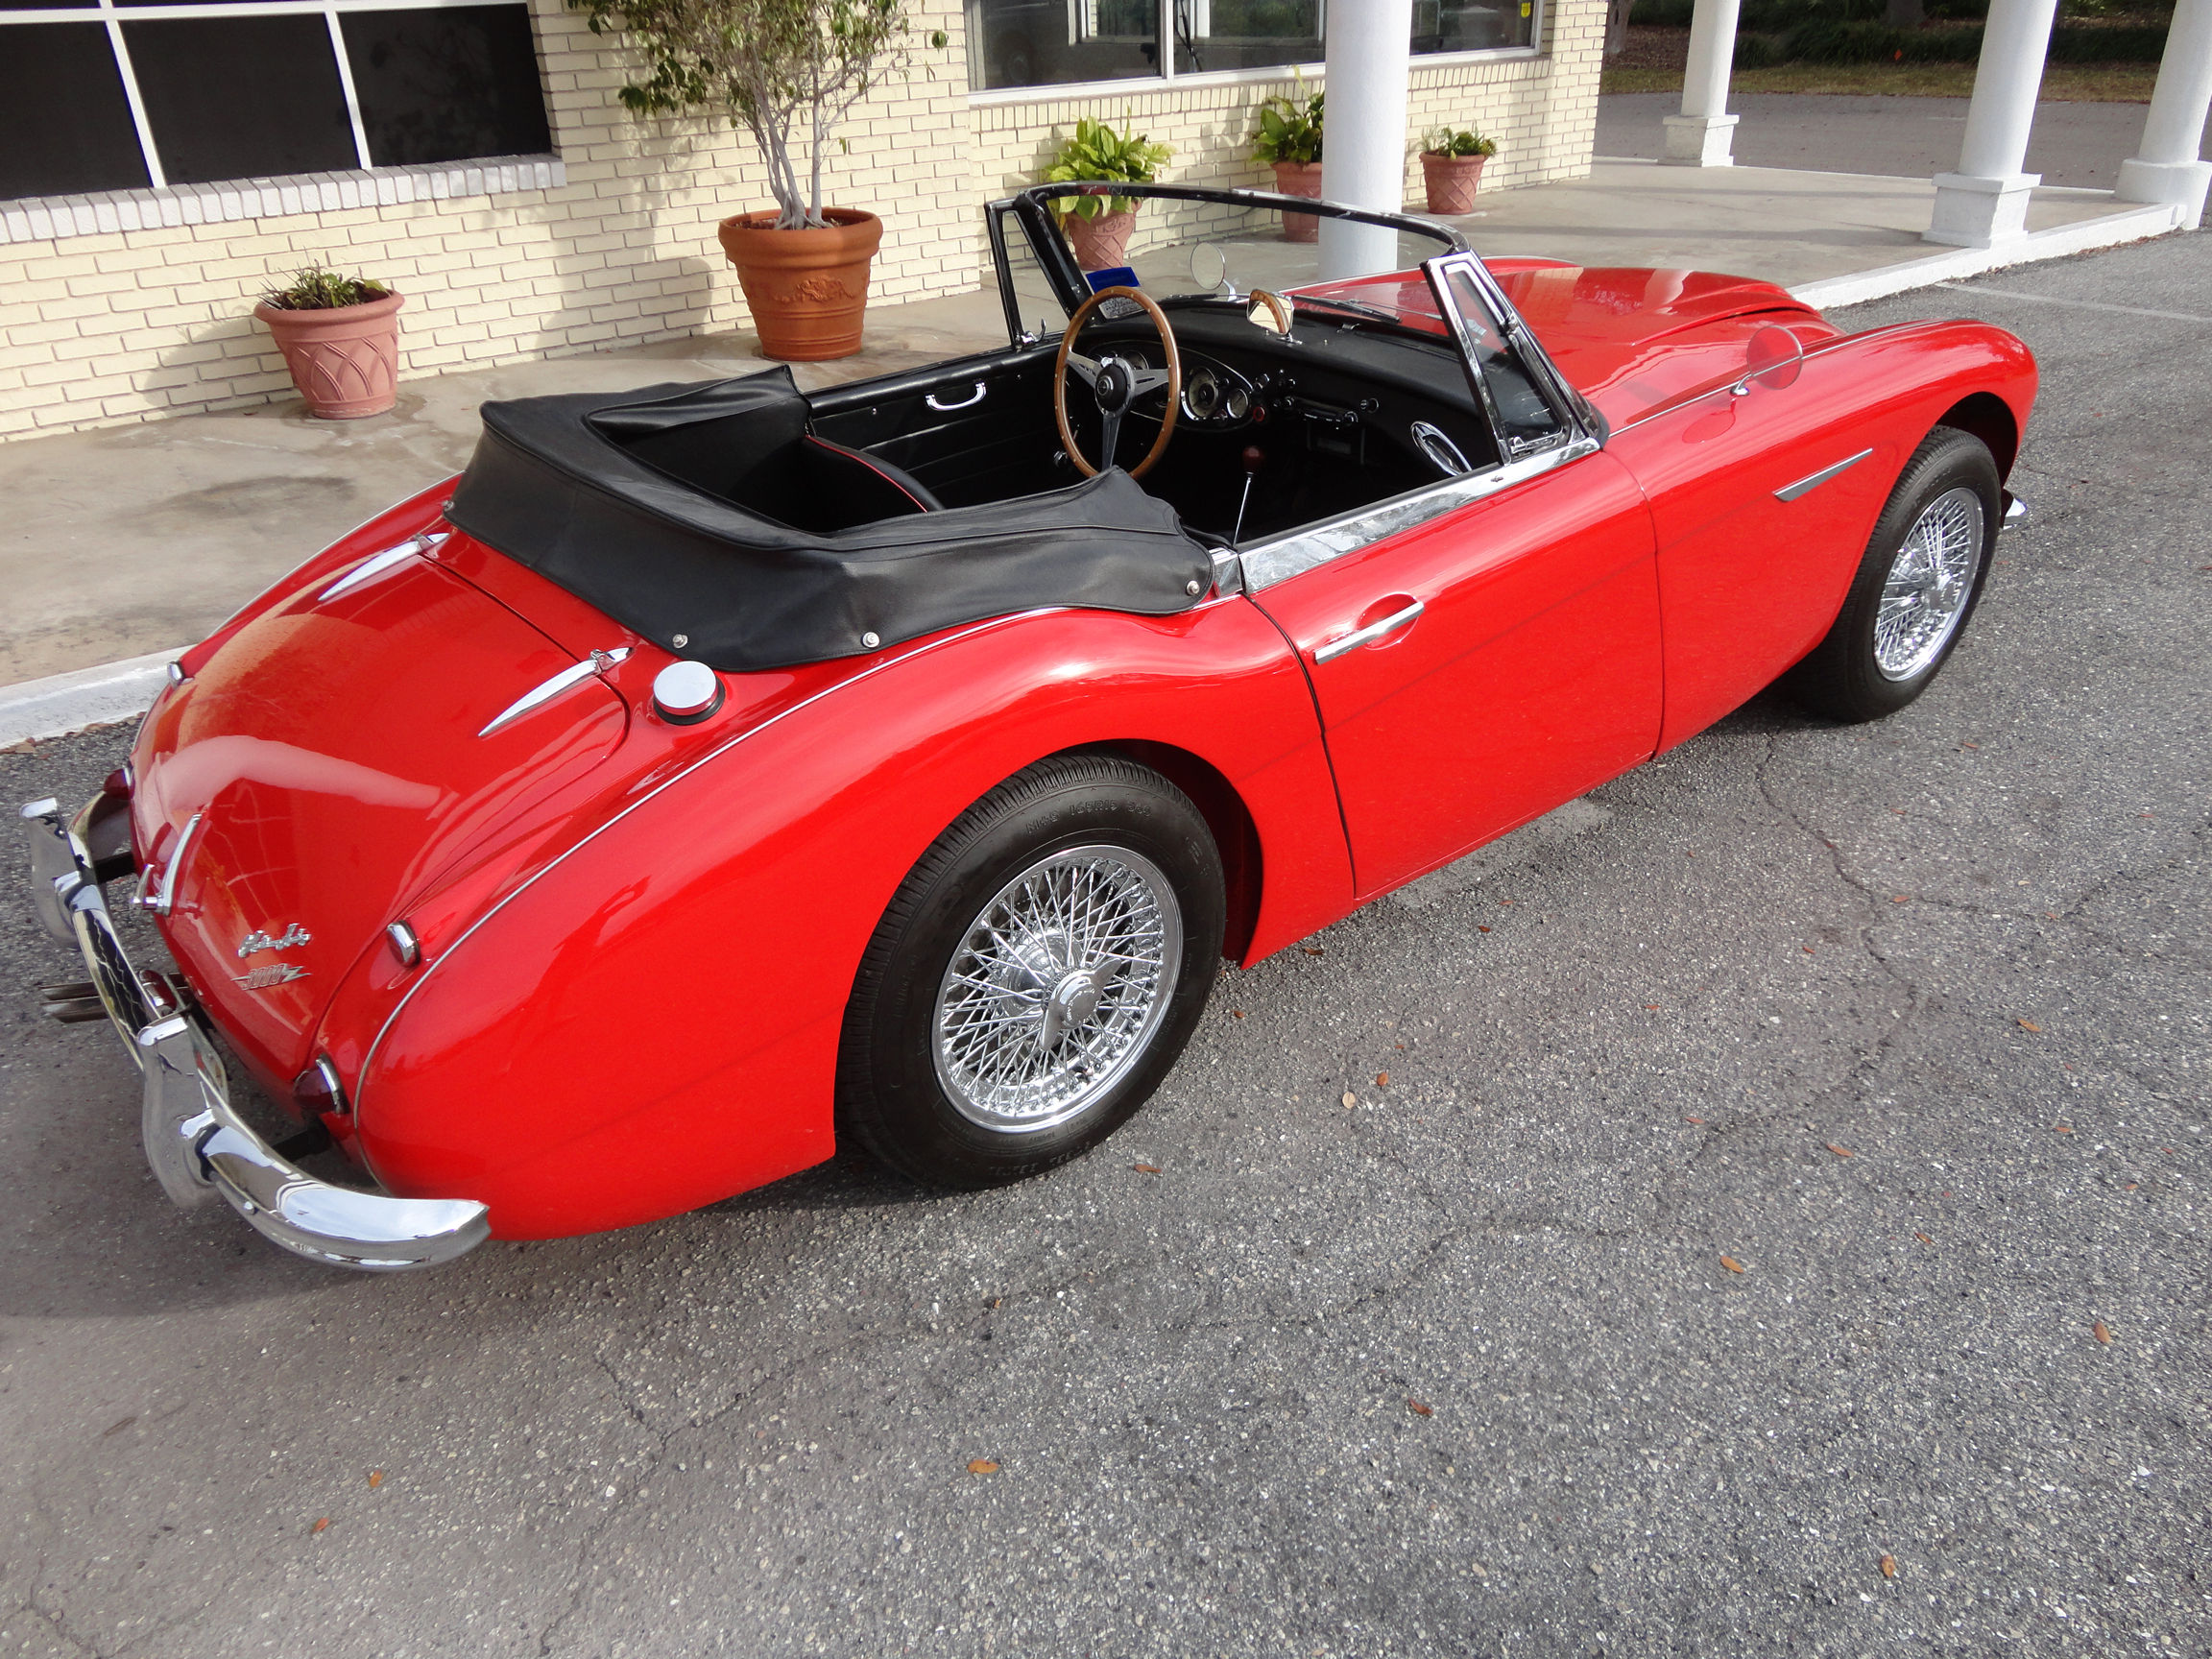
(1617,26)
(1905,14)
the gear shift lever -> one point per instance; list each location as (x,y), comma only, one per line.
(1254,459)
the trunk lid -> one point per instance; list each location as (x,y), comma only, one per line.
(333,752)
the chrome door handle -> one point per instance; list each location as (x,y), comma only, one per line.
(1368,634)
(967,402)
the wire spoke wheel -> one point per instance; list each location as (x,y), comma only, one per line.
(1930,582)
(1057,988)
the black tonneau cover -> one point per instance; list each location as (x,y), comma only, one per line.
(665,546)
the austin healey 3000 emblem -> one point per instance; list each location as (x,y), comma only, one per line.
(285,940)
(275,973)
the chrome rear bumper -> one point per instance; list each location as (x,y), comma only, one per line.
(195,1140)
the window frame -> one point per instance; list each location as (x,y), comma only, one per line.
(1168,77)
(113,16)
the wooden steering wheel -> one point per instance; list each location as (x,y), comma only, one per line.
(1115,384)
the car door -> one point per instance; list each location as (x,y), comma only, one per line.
(1484,650)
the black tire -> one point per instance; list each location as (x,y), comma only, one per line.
(1843,679)
(892,1095)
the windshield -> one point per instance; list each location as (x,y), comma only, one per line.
(1190,246)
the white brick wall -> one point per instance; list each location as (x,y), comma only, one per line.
(129,324)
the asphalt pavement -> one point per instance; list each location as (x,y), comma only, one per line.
(1782,1230)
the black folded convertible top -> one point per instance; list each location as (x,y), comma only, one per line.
(633,502)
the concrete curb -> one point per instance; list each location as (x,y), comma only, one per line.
(2136,225)
(65,703)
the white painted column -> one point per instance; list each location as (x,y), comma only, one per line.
(1986,202)
(1700,135)
(1363,147)
(2169,169)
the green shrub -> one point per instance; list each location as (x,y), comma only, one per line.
(1446,142)
(1290,128)
(1098,152)
(2121,45)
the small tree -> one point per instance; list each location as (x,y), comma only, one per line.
(768,64)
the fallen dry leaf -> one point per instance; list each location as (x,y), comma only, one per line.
(982,1466)
(1900,898)
(375,1479)
(1839,1151)
(2030,1025)
(1419,1409)
(1697,1120)
(1146,1169)
(2100,1332)
(1807,949)
(1969,745)
(1923,1237)
(1650,1007)
(1350,1099)
(2063,1128)
(1479,929)
(1235,1013)
(1310,949)
(320,1525)
(1731,1264)
(1381,1079)
(1889,1565)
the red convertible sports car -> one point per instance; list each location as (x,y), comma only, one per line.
(714,770)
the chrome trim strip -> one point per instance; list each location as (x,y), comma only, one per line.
(1368,634)
(1308,549)
(1813,481)
(432,964)
(967,402)
(376,563)
(196,1144)
(567,679)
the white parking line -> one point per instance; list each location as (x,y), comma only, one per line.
(2077,304)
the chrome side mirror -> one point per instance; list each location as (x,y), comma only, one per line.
(1772,359)
(1209,269)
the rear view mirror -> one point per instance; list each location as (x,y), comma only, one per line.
(1268,310)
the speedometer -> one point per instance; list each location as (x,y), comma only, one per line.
(1202,394)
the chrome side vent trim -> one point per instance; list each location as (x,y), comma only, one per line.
(376,563)
(1813,481)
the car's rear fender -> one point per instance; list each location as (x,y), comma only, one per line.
(651,1022)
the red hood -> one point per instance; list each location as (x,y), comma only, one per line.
(1629,339)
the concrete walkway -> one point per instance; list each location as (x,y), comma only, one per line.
(2070,144)
(142,539)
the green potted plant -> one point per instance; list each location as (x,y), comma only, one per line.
(1099,222)
(1289,141)
(1451,165)
(340,336)
(775,66)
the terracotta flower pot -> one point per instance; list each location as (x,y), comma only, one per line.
(1102,242)
(807,289)
(346,359)
(1451,180)
(1299,179)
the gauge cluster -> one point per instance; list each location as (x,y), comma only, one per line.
(1215,395)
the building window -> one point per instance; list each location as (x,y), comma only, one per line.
(1473,25)
(104,95)
(1056,42)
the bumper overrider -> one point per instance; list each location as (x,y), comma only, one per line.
(195,1140)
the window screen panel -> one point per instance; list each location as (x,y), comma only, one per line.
(1212,35)
(1473,25)
(65,126)
(241,97)
(445,84)
(1051,42)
